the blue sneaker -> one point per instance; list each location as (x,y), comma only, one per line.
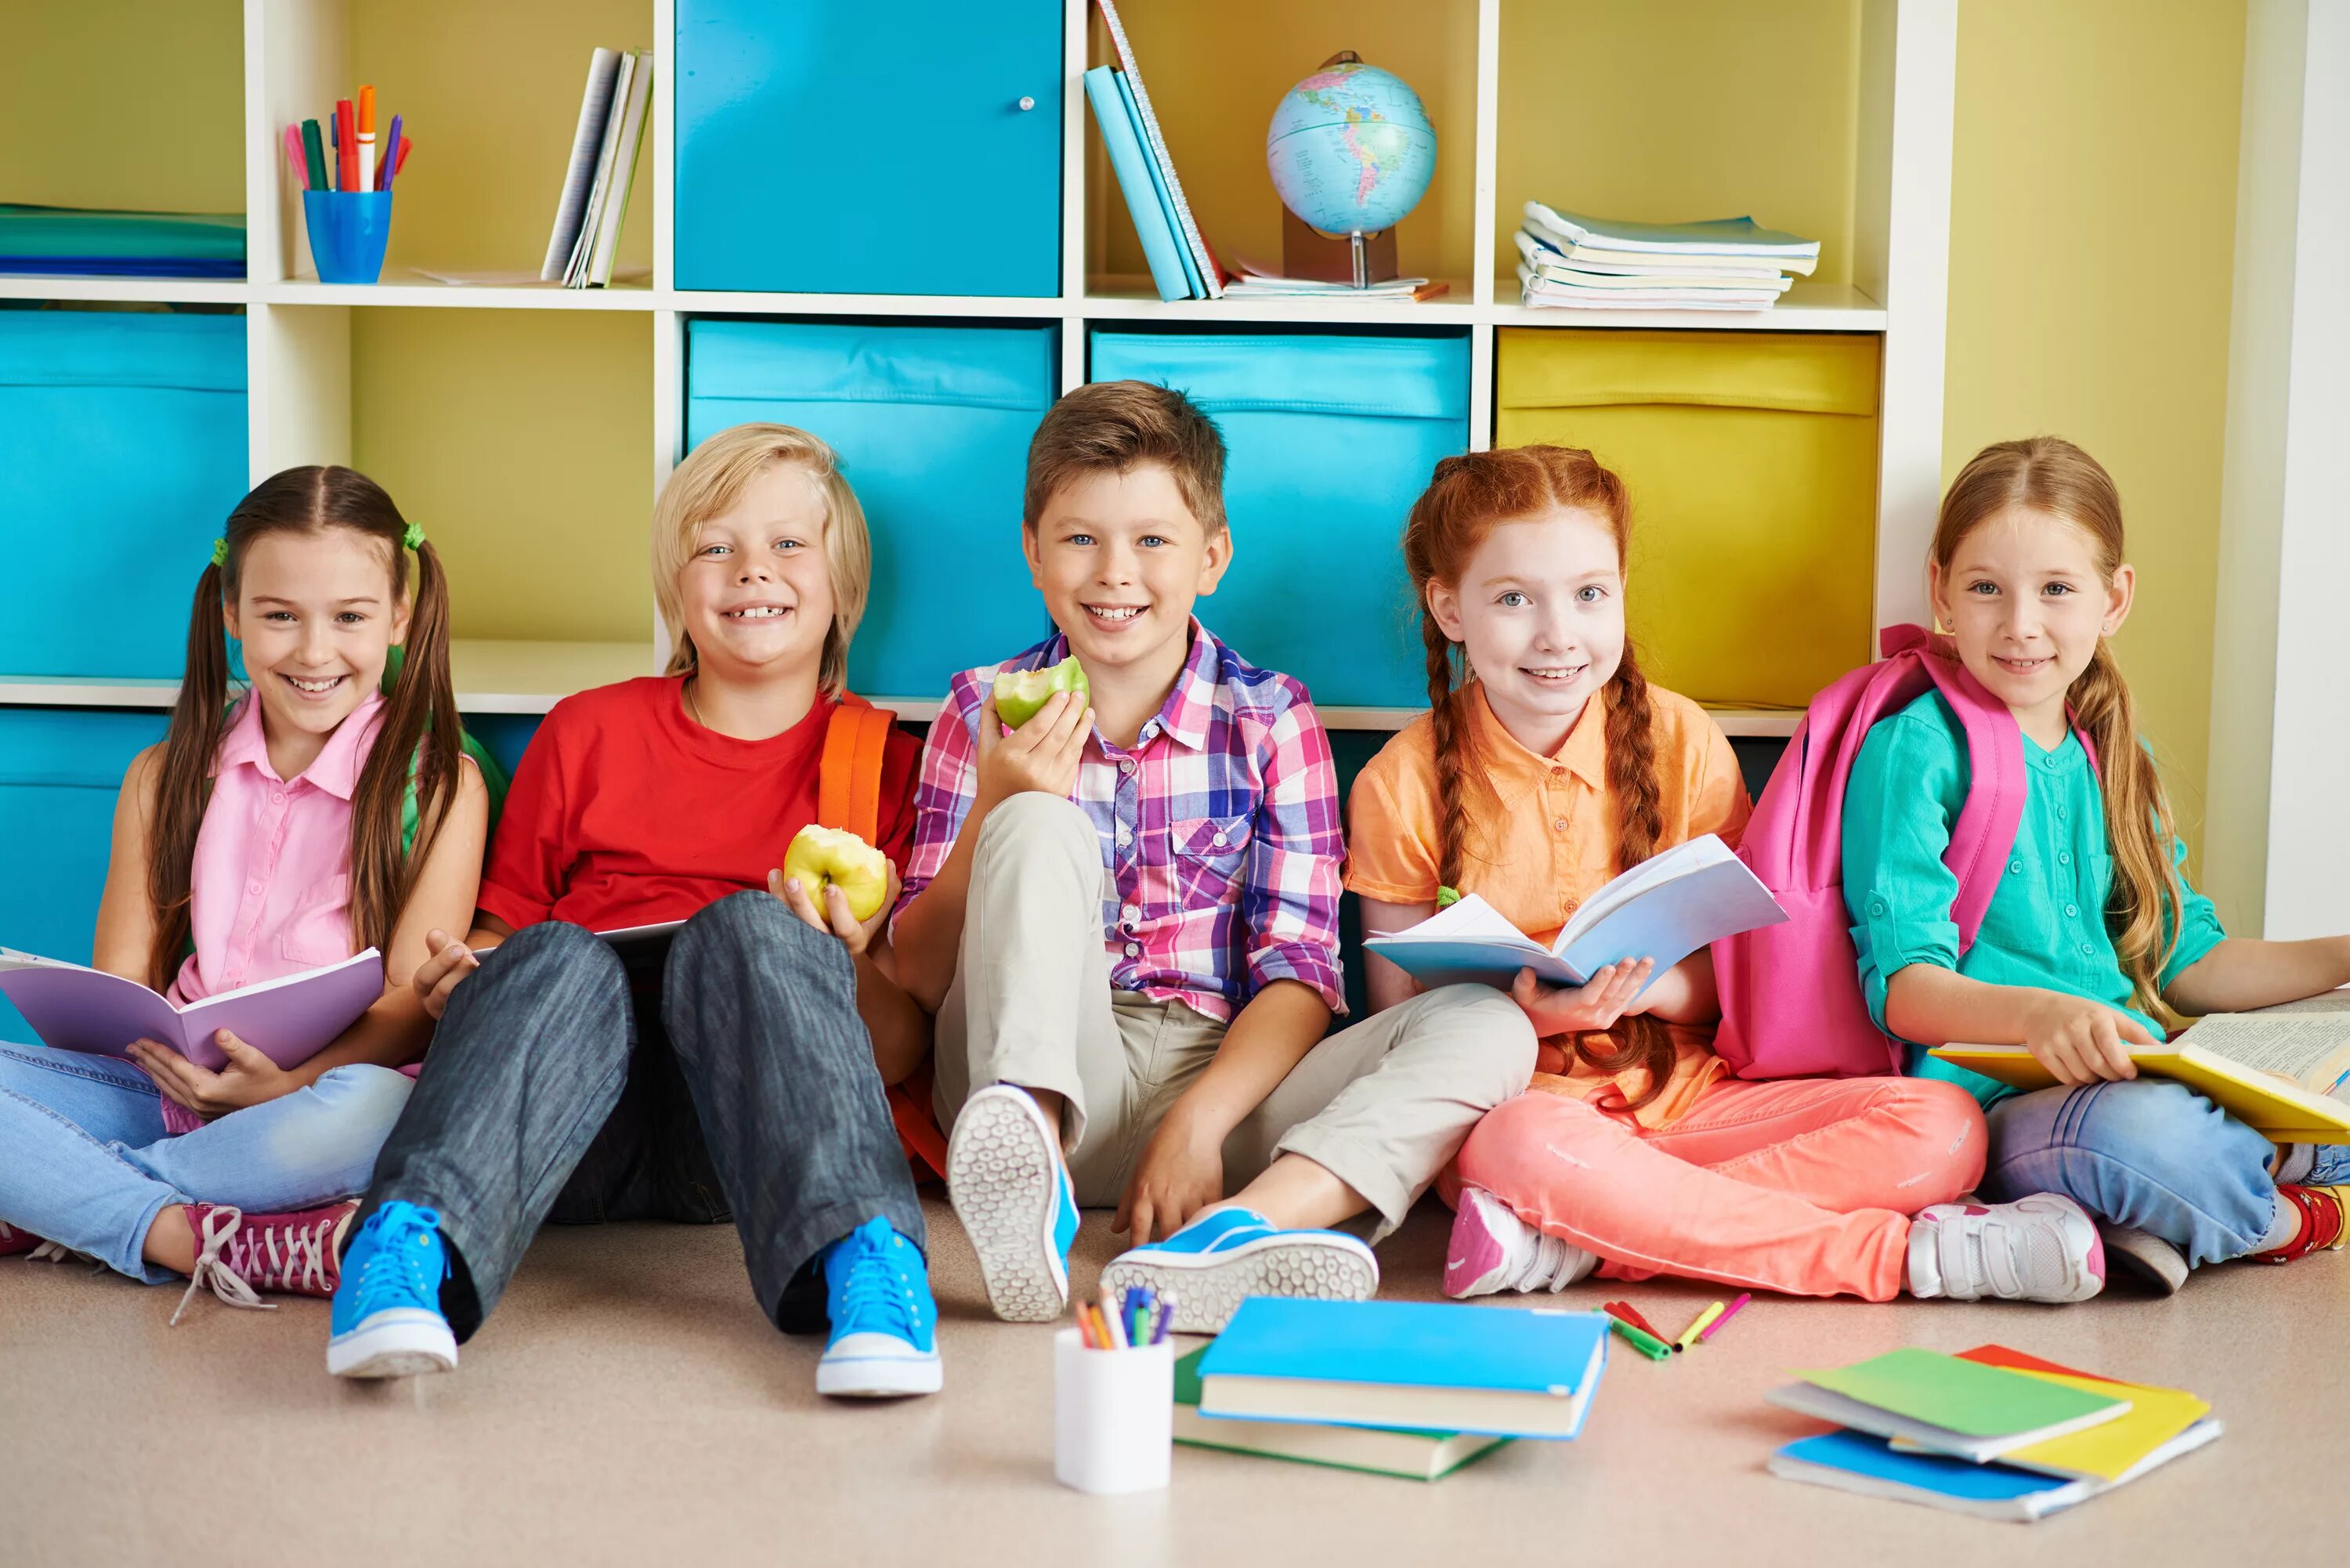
(387,1320)
(884,1324)
(1226,1255)
(1009,1190)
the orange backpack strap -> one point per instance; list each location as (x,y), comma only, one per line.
(848,795)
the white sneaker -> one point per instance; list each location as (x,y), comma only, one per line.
(2044,1248)
(1011,1191)
(1493,1250)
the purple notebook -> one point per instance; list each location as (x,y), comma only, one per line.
(289,1020)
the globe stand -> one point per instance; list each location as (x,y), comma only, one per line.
(1359,259)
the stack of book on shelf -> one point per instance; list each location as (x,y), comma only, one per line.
(1181,264)
(89,242)
(1404,1388)
(1596,264)
(604,147)
(1989,1431)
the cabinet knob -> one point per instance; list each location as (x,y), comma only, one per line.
(1026,103)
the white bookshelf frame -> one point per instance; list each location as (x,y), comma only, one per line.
(298,330)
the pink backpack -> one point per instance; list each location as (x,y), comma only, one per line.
(1791,1000)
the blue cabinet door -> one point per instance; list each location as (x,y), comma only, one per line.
(842,147)
(60,770)
(932,425)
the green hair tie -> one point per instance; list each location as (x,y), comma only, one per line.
(1447,897)
(220,552)
(414,538)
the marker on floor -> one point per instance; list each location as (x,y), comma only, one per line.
(1698,1325)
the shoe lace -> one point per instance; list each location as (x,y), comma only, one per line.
(215,1231)
(876,1285)
(288,1257)
(58,1252)
(395,1266)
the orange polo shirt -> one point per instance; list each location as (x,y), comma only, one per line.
(1540,839)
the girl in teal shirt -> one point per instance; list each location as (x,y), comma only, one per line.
(2094,940)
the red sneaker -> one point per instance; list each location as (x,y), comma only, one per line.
(14,1240)
(239,1254)
(2321,1227)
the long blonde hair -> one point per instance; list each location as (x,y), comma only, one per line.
(710,481)
(2050,474)
(1466,500)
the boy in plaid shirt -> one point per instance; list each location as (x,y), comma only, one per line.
(1126,918)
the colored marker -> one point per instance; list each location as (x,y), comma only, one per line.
(294,157)
(314,153)
(1633,1317)
(400,162)
(367,139)
(391,150)
(1731,1311)
(1647,1345)
(1703,1321)
(347,147)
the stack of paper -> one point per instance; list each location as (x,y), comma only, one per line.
(1181,264)
(1596,264)
(1991,1431)
(604,146)
(1255,282)
(83,242)
(1432,1372)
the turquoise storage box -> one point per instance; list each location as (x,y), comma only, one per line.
(60,770)
(1330,438)
(932,424)
(122,447)
(939,174)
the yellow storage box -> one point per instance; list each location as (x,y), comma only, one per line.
(1752,460)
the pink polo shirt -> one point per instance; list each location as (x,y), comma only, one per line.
(270,888)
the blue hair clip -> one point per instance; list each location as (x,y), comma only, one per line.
(220,552)
(414,538)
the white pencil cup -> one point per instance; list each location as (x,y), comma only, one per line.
(1113,1414)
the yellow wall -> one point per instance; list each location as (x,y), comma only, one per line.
(2092,235)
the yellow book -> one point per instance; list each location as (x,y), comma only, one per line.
(2281,1072)
(2112,1451)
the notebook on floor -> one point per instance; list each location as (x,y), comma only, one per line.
(1388,1450)
(1872,1467)
(2112,1451)
(1948,1406)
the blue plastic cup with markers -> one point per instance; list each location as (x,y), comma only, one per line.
(349,230)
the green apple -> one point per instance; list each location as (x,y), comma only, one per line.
(819,855)
(1020,694)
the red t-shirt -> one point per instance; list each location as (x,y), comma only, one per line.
(627,812)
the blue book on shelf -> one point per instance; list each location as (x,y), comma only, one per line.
(1133,170)
(1516,1372)
(1159,184)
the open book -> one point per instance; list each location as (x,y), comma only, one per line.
(2283,1072)
(289,1020)
(1665,908)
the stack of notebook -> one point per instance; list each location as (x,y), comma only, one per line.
(1402,1387)
(82,242)
(1989,1431)
(1181,264)
(604,147)
(1596,264)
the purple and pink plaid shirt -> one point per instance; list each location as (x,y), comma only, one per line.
(1220,829)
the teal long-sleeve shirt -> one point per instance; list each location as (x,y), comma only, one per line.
(2046,926)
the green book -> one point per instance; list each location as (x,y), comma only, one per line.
(1393,1451)
(1946,1403)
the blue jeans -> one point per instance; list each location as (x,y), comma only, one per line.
(85,1161)
(2147,1153)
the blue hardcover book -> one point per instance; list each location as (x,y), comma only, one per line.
(1133,171)
(1858,1462)
(1159,184)
(1511,1372)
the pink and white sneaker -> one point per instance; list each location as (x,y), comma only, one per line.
(238,1255)
(2044,1248)
(1492,1250)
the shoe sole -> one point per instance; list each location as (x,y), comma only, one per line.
(1208,1288)
(2151,1261)
(402,1342)
(880,1377)
(1004,1183)
(1473,1257)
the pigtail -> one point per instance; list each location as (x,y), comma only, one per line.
(2143,909)
(418,737)
(182,784)
(1445,711)
(1637,802)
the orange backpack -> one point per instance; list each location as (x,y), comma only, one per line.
(848,795)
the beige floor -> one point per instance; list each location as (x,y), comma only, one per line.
(629,1405)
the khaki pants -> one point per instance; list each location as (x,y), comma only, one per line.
(1383,1105)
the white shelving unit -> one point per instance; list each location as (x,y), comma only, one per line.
(299,330)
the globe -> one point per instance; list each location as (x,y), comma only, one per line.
(1350,149)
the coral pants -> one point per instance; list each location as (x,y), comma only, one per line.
(1803,1187)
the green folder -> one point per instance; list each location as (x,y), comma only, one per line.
(29,232)
(1961,1396)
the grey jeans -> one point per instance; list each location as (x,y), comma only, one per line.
(739,1080)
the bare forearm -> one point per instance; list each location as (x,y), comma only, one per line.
(2242,974)
(1933,1006)
(899,1028)
(1684,993)
(1270,1036)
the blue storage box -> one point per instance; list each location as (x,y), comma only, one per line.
(935,170)
(60,770)
(122,447)
(932,424)
(1330,439)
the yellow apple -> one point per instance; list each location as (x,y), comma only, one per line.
(819,855)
